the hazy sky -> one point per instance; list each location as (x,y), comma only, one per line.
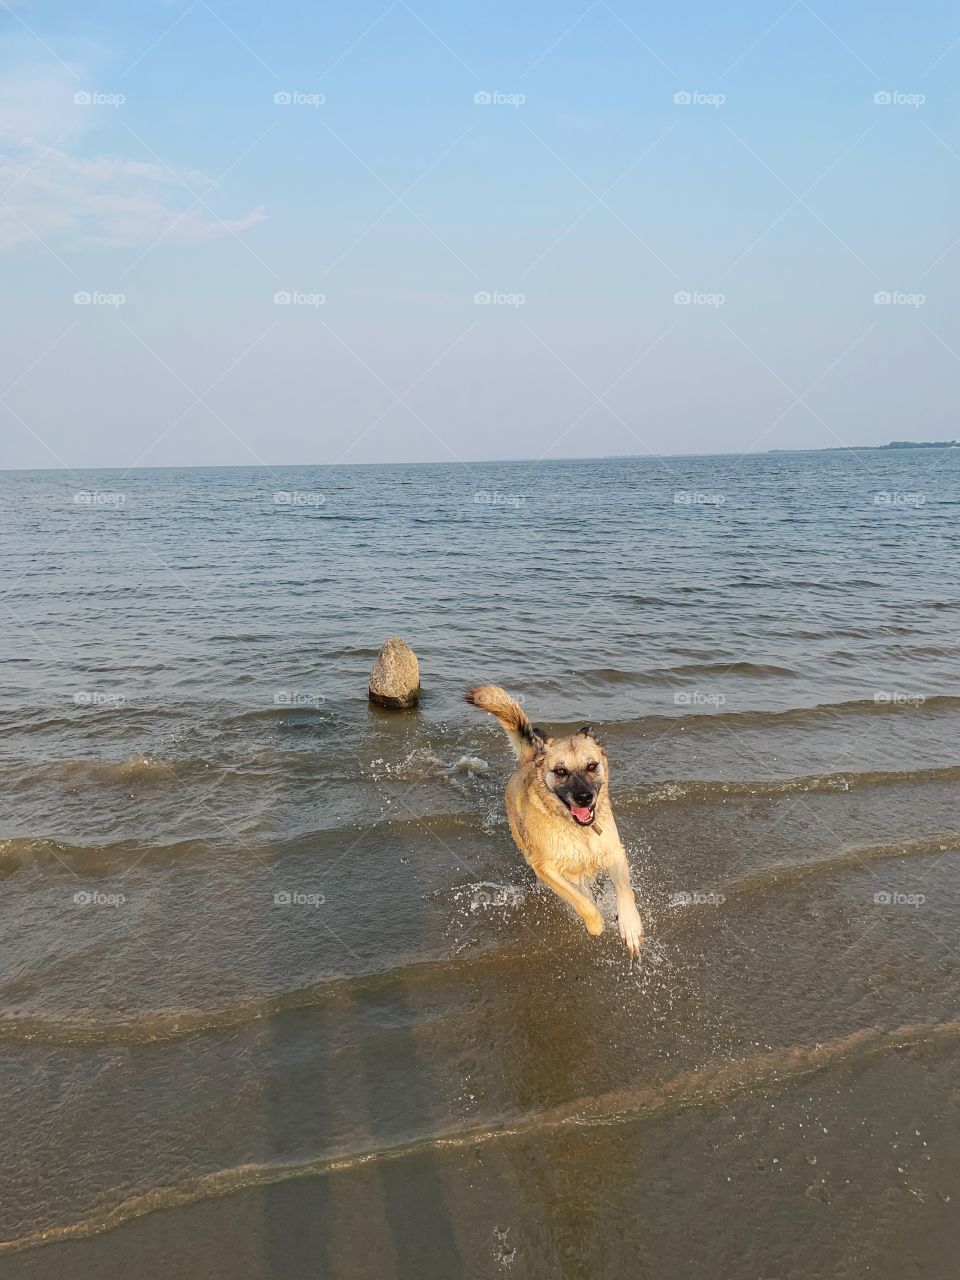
(619,154)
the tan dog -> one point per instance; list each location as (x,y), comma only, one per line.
(558,804)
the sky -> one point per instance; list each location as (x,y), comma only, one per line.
(390,231)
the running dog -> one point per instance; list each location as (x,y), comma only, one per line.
(558,804)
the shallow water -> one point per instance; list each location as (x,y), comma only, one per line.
(278,998)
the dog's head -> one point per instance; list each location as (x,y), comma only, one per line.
(574,771)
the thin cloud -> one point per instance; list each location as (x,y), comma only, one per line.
(52,192)
(104,201)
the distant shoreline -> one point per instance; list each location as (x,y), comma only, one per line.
(486,462)
(894,444)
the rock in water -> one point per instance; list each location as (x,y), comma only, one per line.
(395,678)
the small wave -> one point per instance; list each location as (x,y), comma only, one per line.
(599,677)
(698,790)
(850,855)
(265,766)
(913,704)
(160,1025)
(480,896)
(40,721)
(23,851)
(144,769)
(772,878)
(301,711)
(602,676)
(757,670)
(716,1082)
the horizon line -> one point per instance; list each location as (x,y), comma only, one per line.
(484,462)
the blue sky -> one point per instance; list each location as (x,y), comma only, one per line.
(146,163)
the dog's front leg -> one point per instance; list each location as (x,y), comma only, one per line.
(585,907)
(628,917)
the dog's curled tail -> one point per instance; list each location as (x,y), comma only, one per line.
(523,737)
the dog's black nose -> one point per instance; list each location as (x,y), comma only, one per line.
(582,797)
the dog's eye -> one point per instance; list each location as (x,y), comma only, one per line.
(592,767)
(559,771)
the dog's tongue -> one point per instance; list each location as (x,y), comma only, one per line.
(581,814)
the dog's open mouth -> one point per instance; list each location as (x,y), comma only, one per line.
(581,814)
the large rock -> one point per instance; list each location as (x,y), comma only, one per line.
(395,678)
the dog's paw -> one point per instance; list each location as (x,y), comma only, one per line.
(631,930)
(594,925)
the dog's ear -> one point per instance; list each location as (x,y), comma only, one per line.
(587,732)
(540,740)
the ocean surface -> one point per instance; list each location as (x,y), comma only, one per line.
(278,997)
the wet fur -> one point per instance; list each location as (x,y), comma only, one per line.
(563,853)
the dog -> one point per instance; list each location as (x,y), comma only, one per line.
(558,805)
